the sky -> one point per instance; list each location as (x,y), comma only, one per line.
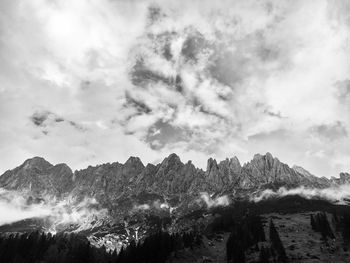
(86,82)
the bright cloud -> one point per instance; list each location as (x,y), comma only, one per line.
(97,81)
(214,202)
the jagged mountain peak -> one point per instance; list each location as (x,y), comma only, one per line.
(134,162)
(344,178)
(344,175)
(224,174)
(36,162)
(232,163)
(212,164)
(235,159)
(133,159)
(228,163)
(173,156)
(268,157)
(172,160)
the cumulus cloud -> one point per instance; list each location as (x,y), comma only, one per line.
(214,202)
(84,83)
(337,194)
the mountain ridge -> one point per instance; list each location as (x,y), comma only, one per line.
(169,177)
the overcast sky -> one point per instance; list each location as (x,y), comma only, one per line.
(86,82)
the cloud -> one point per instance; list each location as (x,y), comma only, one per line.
(142,207)
(337,194)
(17,206)
(342,91)
(156,205)
(214,202)
(38,118)
(47,120)
(332,131)
(195,77)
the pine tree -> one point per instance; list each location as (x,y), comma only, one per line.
(321,224)
(312,222)
(276,244)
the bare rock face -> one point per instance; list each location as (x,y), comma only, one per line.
(213,174)
(318,182)
(173,177)
(265,170)
(302,171)
(224,175)
(107,182)
(344,178)
(132,168)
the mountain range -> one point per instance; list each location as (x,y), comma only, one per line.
(131,200)
(171,177)
(120,187)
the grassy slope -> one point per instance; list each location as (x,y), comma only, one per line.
(291,216)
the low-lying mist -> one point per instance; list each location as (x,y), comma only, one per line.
(214,202)
(16,206)
(336,194)
(153,205)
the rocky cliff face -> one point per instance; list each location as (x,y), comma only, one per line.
(265,170)
(224,175)
(116,182)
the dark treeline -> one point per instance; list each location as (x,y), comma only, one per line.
(342,223)
(69,248)
(286,204)
(244,235)
(40,247)
(333,226)
(158,247)
(247,234)
(320,223)
(265,254)
(345,227)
